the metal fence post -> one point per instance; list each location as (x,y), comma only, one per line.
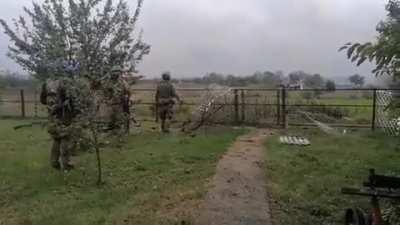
(22,103)
(284,116)
(278,106)
(236,105)
(373,122)
(243,106)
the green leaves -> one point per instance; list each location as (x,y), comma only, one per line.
(350,51)
(385,50)
(58,30)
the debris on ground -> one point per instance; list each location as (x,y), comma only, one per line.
(294,140)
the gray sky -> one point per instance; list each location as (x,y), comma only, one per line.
(193,37)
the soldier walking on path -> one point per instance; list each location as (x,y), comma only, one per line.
(165,95)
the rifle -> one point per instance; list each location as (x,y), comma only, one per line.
(377,186)
(41,123)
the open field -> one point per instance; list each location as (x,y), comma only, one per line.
(305,182)
(153,179)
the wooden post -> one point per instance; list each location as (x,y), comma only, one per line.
(243,106)
(127,106)
(226,106)
(284,111)
(155,106)
(278,106)
(256,110)
(265,108)
(36,104)
(236,105)
(373,122)
(22,103)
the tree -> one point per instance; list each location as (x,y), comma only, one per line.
(314,81)
(96,33)
(93,34)
(357,80)
(17,80)
(297,76)
(213,78)
(330,85)
(271,79)
(384,51)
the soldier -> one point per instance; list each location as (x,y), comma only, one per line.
(118,94)
(165,95)
(68,104)
(57,95)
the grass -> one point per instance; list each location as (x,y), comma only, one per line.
(306,181)
(153,179)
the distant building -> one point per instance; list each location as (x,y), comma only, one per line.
(296,86)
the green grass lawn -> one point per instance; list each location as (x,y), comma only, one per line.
(306,181)
(153,179)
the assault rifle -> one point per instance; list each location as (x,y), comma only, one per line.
(38,123)
(377,186)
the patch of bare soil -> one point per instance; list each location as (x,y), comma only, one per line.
(238,193)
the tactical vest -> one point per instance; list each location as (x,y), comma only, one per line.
(59,100)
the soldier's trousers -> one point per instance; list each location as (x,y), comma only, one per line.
(60,152)
(118,120)
(165,112)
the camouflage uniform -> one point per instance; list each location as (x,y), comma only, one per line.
(165,95)
(117,94)
(56,95)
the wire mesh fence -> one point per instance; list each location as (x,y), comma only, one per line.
(279,107)
(353,108)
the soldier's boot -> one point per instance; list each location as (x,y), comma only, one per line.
(55,154)
(65,150)
(164,127)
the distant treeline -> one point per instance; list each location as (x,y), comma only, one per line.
(15,80)
(267,79)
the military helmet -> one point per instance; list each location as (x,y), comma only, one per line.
(71,66)
(116,68)
(166,76)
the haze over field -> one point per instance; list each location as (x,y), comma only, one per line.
(191,38)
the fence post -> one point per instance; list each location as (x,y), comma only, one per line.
(36,104)
(243,106)
(22,103)
(284,116)
(236,105)
(278,106)
(373,124)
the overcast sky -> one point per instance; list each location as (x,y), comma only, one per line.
(193,37)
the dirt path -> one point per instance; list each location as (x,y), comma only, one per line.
(238,192)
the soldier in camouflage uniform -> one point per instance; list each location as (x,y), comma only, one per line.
(117,94)
(61,113)
(67,100)
(165,95)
